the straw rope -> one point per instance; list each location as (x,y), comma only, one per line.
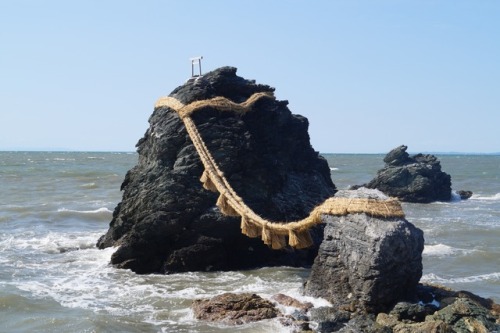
(230,203)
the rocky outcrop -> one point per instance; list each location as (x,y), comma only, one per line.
(234,309)
(464,195)
(449,311)
(167,222)
(435,309)
(412,179)
(366,263)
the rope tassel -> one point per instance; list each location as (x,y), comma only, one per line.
(278,242)
(225,207)
(248,228)
(208,184)
(299,239)
(266,235)
(274,240)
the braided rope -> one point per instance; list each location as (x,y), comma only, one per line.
(230,203)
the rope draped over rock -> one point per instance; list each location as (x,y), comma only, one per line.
(230,203)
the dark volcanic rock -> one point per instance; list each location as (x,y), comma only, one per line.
(329,319)
(366,263)
(234,309)
(412,179)
(166,222)
(464,195)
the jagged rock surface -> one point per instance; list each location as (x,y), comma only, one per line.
(234,309)
(366,263)
(166,222)
(412,179)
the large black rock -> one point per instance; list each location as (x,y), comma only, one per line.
(412,179)
(167,222)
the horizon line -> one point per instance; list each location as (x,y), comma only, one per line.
(64,150)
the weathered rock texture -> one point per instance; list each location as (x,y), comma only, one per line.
(166,222)
(412,179)
(450,311)
(234,309)
(366,263)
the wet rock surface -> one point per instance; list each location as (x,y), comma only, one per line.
(448,311)
(234,309)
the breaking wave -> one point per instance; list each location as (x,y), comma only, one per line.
(434,278)
(442,250)
(494,197)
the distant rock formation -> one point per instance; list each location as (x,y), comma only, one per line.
(167,222)
(366,263)
(412,179)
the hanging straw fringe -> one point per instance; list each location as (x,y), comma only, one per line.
(299,239)
(248,228)
(207,182)
(266,235)
(225,207)
(252,225)
(278,241)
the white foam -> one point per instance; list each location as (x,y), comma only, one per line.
(495,197)
(89,185)
(455,197)
(52,242)
(438,250)
(333,169)
(433,278)
(84,279)
(95,211)
(441,250)
(62,159)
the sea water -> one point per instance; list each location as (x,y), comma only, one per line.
(55,205)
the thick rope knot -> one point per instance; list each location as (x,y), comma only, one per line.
(230,203)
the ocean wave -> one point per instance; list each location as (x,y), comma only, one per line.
(95,211)
(333,169)
(441,250)
(85,280)
(62,159)
(434,278)
(51,243)
(89,185)
(495,197)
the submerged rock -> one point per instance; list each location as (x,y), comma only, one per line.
(167,222)
(366,263)
(286,300)
(412,179)
(464,195)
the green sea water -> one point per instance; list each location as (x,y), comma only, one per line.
(55,205)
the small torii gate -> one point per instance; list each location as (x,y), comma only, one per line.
(194,61)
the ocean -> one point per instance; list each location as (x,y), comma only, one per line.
(55,205)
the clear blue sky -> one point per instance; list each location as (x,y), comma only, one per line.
(369,75)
